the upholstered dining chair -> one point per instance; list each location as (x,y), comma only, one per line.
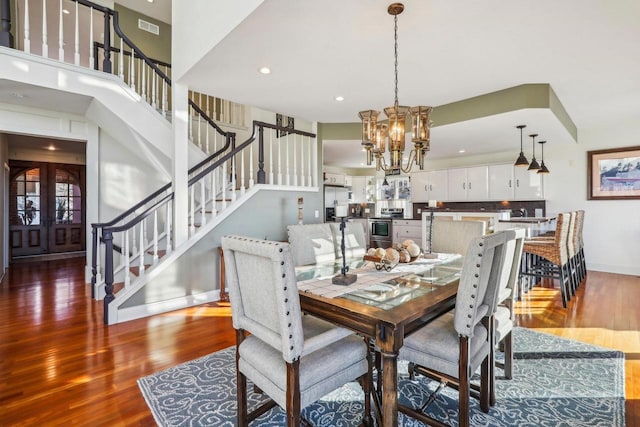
(453,237)
(455,344)
(355,240)
(312,243)
(295,359)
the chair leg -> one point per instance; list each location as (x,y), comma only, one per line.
(463,376)
(293,394)
(508,356)
(563,286)
(241,384)
(367,384)
(491,364)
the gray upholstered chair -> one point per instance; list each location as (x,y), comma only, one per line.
(453,346)
(294,359)
(453,237)
(312,243)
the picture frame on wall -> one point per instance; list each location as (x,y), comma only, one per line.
(613,174)
(284,121)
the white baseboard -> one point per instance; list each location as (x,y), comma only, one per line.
(616,269)
(138,312)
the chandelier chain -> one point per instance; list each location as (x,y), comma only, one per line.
(395,54)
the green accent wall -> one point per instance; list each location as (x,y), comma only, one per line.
(155,47)
(539,95)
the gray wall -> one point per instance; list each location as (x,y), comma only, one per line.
(155,47)
(265,215)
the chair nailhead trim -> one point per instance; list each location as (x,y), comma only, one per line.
(280,250)
(286,300)
(283,275)
(281,262)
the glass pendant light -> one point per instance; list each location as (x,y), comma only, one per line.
(534,166)
(521,160)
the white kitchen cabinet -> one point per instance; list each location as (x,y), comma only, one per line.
(429,185)
(404,229)
(501,182)
(334,196)
(468,184)
(348,180)
(334,178)
(360,190)
(528,184)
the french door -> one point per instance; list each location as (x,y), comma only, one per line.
(46,208)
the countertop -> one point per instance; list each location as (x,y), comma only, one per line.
(529,220)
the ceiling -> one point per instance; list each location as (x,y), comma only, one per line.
(448,51)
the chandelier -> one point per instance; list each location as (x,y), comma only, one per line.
(377,137)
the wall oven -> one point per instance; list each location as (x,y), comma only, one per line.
(380,232)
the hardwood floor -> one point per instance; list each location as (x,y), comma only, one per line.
(59,365)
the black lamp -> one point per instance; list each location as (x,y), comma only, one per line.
(534,166)
(522,160)
(543,167)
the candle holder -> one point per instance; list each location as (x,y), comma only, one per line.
(343,278)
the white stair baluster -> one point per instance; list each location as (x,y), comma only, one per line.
(127,261)
(213,193)
(60,35)
(91,57)
(27,35)
(279,140)
(142,249)
(155,237)
(295,160)
(192,211)
(45,46)
(134,246)
(207,129)
(288,162)
(154,94)
(224,186)
(143,83)
(233,178)
(168,227)
(310,180)
(270,156)
(203,201)
(242,173)
(302,176)
(251,165)
(121,61)
(132,70)
(165,103)
(76,54)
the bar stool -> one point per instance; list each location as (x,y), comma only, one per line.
(550,259)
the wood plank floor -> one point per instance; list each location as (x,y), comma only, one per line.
(59,365)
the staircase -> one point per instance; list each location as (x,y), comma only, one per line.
(138,245)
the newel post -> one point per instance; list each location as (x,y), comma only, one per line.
(108,273)
(261,175)
(6,38)
(106,63)
(94,254)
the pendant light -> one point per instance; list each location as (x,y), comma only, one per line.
(543,167)
(534,166)
(522,160)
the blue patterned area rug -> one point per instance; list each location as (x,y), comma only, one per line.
(556,382)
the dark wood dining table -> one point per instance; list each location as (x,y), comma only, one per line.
(388,326)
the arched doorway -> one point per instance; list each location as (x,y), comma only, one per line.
(46,208)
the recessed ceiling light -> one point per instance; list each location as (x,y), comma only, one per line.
(264,70)
(51,148)
(339,98)
(65,11)
(150,1)
(462,151)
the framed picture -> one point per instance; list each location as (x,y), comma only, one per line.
(614,174)
(284,121)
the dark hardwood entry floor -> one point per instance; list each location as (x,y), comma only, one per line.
(59,365)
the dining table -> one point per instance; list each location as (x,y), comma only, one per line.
(385,306)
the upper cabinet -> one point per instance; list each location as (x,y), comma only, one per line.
(334,178)
(429,185)
(468,184)
(528,184)
(508,182)
(361,189)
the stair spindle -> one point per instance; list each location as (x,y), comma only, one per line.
(27,32)
(302,162)
(213,193)
(224,186)
(143,83)
(279,140)
(60,34)
(251,166)
(76,54)
(287,161)
(192,211)
(270,156)
(142,249)
(203,202)
(45,46)
(154,94)
(167,227)
(295,160)
(310,179)
(127,260)
(91,58)
(242,173)
(155,237)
